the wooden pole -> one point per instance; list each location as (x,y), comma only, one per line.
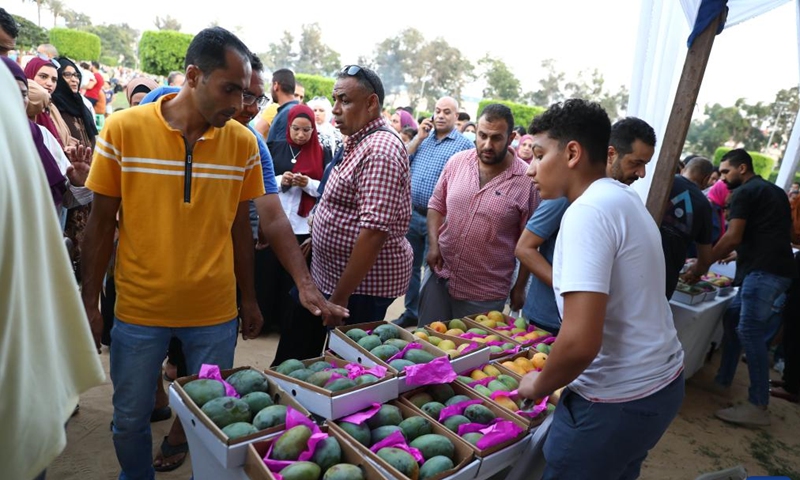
(679,119)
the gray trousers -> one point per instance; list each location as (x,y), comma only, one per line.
(435,302)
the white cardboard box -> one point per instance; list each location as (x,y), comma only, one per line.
(333,405)
(209,447)
(344,346)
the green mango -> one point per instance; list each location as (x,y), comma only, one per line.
(434,466)
(433,445)
(239,429)
(384,352)
(203,390)
(289,366)
(380,433)
(413,427)
(478,331)
(356,334)
(479,414)
(248,381)
(510,381)
(301,471)
(291,444)
(320,366)
(360,433)
(269,417)
(418,356)
(340,384)
(387,415)
(472,437)
(369,342)
(497,386)
(344,471)
(320,379)
(433,409)
(452,423)
(302,374)
(400,364)
(396,342)
(442,392)
(457,323)
(327,454)
(420,399)
(400,460)
(386,331)
(366,379)
(457,399)
(485,391)
(226,410)
(257,401)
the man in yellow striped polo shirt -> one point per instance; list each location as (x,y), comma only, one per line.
(180,175)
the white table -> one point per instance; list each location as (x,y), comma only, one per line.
(698,326)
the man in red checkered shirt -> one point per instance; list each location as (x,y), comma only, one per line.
(475,217)
(360,257)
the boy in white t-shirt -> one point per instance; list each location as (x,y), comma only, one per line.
(617,350)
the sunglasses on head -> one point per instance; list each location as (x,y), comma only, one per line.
(357,71)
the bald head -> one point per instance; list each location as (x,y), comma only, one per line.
(445,115)
(698,170)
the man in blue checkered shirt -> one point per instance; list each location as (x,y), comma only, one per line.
(428,154)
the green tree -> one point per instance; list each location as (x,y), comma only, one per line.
(57,8)
(550,90)
(76,44)
(30,34)
(118,42)
(591,86)
(395,56)
(39,4)
(448,69)
(281,54)
(723,125)
(167,23)
(315,57)
(163,51)
(76,19)
(501,82)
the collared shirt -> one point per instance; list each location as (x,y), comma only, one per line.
(429,160)
(174,264)
(482,225)
(370,188)
(277,130)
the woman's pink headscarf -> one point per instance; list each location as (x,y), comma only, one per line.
(718,196)
(406,120)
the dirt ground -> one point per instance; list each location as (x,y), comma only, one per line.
(695,443)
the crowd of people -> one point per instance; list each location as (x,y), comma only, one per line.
(189,225)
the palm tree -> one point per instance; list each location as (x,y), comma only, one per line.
(38,10)
(57,7)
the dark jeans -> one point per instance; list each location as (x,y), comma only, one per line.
(304,336)
(273,283)
(791,335)
(746,325)
(607,440)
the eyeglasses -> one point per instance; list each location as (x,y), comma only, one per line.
(68,75)
(249,99)
(355,70)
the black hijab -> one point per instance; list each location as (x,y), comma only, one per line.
(71,102)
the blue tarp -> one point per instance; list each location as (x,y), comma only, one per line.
(708,11)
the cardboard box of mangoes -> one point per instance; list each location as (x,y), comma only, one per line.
(518,329)
(336,459)
(387,345)
(443,454)
(465,329)
(464,353)
(324,385)
(223,422)
(441,404)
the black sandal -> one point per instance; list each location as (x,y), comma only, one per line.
(160,414)
(168,451)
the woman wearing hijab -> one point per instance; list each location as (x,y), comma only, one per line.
(299,162)
(44,73)
(137,88)
(718,198)
(525,149)
(402,119)
(329,136)
(65,180)
(69,102)
(81,126)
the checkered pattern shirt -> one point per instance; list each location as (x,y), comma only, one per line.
(370,188)
(482,226)
(429,160)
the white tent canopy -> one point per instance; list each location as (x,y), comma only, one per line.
(664,27)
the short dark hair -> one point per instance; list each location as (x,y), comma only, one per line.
(580,120)
(207,49)
(171,77)
(463,117)
(627,131)
(498,111)
(84,65)
(701,165)
(95,64)
(411,132)
(520,130)
(737,157)
(368,79)
(8,24)
(408,109)
(255,63)
(285,80)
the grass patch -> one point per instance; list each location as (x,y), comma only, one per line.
(763,450)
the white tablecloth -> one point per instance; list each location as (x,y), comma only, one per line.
(698,326)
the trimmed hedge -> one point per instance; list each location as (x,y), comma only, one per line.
(76,44)
(315,85)
(762,164)
(163,51)
(523,114)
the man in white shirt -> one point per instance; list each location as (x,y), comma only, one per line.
(617,351)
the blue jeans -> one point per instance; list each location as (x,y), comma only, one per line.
(607,440)
(136,356)
(746,325)
(417,236)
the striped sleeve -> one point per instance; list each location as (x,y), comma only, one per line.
(105,175)
(253,182)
